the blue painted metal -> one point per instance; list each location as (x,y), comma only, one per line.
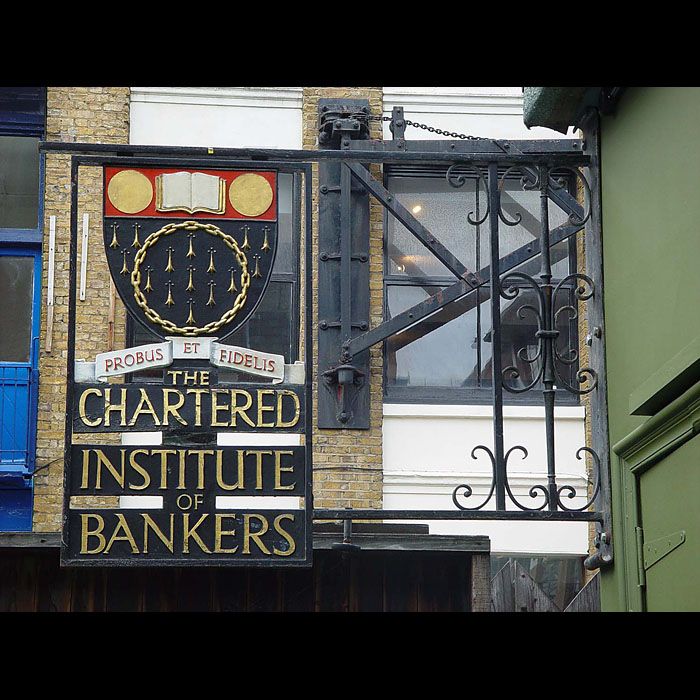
(22,111)
(18,415)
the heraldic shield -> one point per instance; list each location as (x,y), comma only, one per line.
(190,251)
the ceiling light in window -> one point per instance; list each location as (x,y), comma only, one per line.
(418,208)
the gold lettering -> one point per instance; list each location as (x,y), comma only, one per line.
(248,535)
(150,410)
(279,468)
(174,374)
(297,408)
(126,537)
(163,466)
(102,459)
(219,533)
(181,483)
(220,472)
(119,407)
(169,409)
(286,535)
(215,408)
(236,409)
(258,465)
(148,522)
(204,378)
(86,469)
(197,404)
(200,465)
(190,532)
(85,533)
(261,408)
(81,407)
(137,467)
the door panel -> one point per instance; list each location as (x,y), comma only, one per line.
(668,505)
(19,312)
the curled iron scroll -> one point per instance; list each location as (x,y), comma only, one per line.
(456,177)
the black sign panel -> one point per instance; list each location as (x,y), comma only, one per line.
(159,537)
(219,505)
(190,249)
(100,408)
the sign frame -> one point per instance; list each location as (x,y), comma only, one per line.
(203,439)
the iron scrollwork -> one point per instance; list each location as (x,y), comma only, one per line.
(547,358)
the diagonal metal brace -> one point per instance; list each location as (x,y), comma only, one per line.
(454,292)
(388,200)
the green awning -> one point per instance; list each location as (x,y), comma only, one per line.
(557,108)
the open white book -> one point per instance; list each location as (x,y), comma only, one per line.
(190,192)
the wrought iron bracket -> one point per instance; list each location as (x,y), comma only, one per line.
(342,119)
(345,381)
(343,270)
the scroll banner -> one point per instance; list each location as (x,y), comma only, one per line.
(154,355)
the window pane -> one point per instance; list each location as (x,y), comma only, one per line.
(519,343)
(440,352)
(16,291)
(559,260)
(443,210)
(269,329)
(523,206)
(19,182)
(284,259)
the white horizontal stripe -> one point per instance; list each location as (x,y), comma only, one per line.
(254,439)
(398,410)
(136,502)
(280,97)
(258,502)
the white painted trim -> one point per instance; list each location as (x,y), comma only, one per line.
(415,100)
(400,410)
(443,482)
(280,97)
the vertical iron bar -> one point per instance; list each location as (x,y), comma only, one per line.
(496,370)
(548,339)
(345,253)
(600,440)
(70,359)
(477,245)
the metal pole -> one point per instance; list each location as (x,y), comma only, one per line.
(496,369)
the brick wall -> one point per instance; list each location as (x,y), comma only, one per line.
(348,463)
(86,115)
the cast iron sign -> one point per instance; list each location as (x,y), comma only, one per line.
(190,251)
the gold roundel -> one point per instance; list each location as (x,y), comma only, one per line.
(130,191)
(250,194)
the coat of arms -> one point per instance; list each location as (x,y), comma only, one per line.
(190,252)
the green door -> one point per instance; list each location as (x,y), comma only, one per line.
(659,535)
(668,498)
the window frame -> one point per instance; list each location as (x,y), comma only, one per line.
(481,394)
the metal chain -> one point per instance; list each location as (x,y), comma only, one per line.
(432,129)
(153,315)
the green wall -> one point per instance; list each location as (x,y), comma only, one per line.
(650,175)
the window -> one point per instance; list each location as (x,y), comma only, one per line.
(274,326)
(447,357)
(22,116)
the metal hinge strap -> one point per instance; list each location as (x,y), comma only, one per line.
(641,572)
(659,548)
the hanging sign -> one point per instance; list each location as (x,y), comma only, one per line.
(190,251)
